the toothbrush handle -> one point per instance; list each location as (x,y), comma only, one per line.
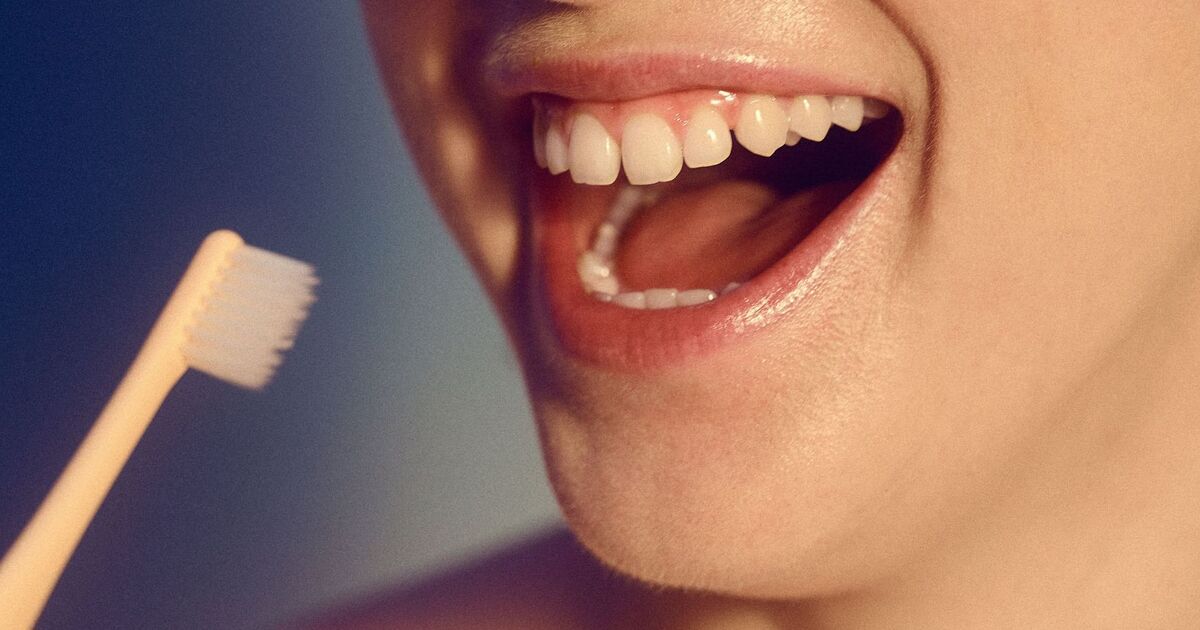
(32,566)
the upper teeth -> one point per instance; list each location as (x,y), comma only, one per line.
(707,142)
(762,126)
(651,150)
(651,153)
(595,145)
(593,155)
(811,117)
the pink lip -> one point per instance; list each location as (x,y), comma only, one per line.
(626,77)
(808,279)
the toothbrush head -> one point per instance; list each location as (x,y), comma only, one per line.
(250,312)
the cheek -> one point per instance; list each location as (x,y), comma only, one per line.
(458,139)
(1062,200)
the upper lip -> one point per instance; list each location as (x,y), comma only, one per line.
(629,76)
(842,48)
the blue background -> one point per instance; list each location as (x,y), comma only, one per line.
(396,438)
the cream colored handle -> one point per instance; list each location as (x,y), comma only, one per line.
(32,566)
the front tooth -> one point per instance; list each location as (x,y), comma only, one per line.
(762,126)
(793,138)
(847,112)
(556,151)
(594,156)
(811,117)
(636,299)
(650,152)
(661,298)
(692,297)
(707,142)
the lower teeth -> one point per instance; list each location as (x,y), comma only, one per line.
(597,269)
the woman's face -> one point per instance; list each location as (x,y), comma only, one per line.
(960,308)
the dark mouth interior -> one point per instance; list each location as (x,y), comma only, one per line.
(728,223)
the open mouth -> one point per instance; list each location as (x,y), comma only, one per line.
(668,223)
(703,190)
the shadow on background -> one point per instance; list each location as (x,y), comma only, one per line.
(396,437)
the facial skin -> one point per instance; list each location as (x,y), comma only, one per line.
(998,422)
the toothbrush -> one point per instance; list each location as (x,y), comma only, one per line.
(235,311)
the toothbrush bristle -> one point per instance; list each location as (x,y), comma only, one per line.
(250,317)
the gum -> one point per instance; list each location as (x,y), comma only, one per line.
(674,108)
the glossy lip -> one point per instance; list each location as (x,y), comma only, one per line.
(634,341)
(633,75)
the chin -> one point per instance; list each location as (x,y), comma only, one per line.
(695,479)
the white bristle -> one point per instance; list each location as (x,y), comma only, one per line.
(250,317)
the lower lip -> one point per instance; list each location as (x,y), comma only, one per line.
(631,340)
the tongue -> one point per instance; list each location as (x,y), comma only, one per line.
(725,232)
